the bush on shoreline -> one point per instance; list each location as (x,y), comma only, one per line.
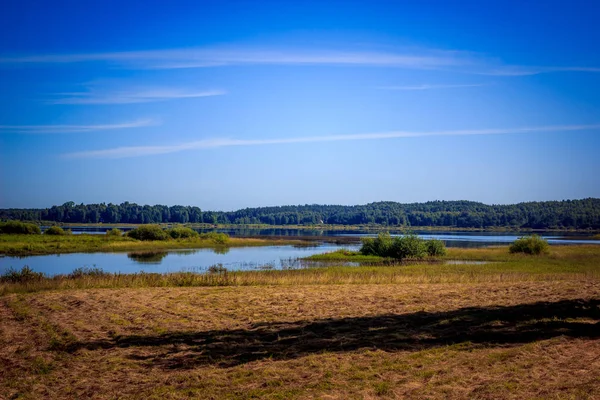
(148,232)
(114,232)
(18,227)
(533,244)
(218,238)
(436,248)
(24,275)
(182,232)
(401,247)
(56,230)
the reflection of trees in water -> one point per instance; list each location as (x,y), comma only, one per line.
(147,257)
(221,250)
(184,252)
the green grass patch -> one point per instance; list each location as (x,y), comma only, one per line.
(345,255)
(27,245)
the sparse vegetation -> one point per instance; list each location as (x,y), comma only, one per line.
(533,244)
(217,269)
(82,272)
(23,276)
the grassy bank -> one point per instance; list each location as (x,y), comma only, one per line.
(26,245)
(587,254)
(345,255)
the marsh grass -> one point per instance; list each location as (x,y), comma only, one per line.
(26,245)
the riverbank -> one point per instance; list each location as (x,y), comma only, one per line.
(28,245)
(494,264)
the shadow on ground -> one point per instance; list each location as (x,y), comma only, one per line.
(490,326)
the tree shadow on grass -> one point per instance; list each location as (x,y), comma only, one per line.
(490,326)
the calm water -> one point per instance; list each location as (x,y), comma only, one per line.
(248,258)
(243,258)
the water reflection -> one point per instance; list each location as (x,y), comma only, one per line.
(221,250)
(147,257)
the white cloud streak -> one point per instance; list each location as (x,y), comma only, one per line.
(124,97)
(423,59)
(431,87)
(203,58)
(516,70)
(138,151)
(43,129)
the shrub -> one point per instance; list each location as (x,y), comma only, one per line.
(379,246)
(19,227)
(435,248)
(181,232)
(114,232)
(218,238)
(26,274)
(533,244)
(408,246)
(56,230)
(148,232)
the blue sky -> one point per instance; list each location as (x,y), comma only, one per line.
(227,105)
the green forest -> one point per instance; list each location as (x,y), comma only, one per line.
(568,214)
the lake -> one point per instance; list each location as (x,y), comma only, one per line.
(249,258)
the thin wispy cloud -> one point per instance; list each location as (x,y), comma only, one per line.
(431,87)
(43,129)
(203,58)
(138,151)
(130,97)
(516,70)
(422,59)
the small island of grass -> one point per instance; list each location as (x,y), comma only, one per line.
(29,241)
(345,255)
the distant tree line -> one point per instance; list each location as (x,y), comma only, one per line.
(578,214)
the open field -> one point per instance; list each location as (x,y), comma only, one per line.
(25,245)
(521,327)
(485,340)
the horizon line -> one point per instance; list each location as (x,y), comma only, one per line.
(311,204)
